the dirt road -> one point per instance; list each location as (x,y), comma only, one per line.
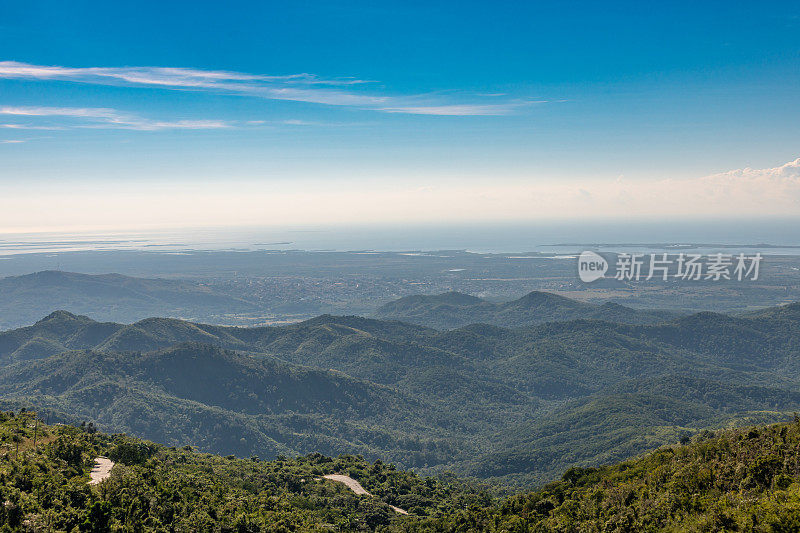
(101,470)
(356,487)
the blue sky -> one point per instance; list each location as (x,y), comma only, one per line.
(409,106)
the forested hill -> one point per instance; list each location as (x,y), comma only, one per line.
(44,474)
(735,480)
(511,405)
(454,310)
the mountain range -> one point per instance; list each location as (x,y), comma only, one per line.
(516,405)
(118,298)
(454,310)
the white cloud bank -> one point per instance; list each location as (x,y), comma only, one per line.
(293,87)
(744,192)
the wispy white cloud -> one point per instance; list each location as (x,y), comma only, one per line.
(83,112)
(101,117)
(169,76)
(107,118)
(299,122)
(12,141)
(28,127)
(293,87)
(460,109)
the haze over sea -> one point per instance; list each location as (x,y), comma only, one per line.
(769,236)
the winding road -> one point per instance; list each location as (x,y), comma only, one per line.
(356,487)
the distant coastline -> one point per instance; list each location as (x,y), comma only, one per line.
(773,236)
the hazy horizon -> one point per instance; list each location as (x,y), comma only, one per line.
(498,237)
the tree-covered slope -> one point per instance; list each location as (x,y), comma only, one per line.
(625,421)
(44,474)
(734,480)
(737,480)
(231,403)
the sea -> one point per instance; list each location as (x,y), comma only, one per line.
(770,236)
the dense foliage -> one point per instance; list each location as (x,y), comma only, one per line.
(44,475)
(742,480)
(734,480)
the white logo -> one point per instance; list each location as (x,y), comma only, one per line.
(591,266)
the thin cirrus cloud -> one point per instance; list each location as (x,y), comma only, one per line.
(107,118)
(101,117)
(28,127)
(294,87)
(461,109)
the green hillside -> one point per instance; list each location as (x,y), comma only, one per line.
(231,403)
(44,474)
(742,480)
